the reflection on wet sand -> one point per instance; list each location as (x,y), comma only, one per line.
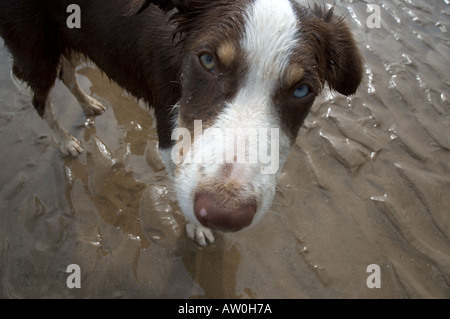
(367,183)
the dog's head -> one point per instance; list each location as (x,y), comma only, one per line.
(251,70)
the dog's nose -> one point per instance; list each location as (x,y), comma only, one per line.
(228,216)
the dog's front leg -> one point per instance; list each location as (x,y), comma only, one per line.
(165,154)
(201,235)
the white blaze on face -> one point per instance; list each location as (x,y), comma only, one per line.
(270,34)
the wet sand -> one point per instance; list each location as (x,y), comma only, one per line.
(367,182)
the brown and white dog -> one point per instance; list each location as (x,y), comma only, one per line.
(248,65)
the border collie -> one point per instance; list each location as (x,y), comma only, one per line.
(207,68)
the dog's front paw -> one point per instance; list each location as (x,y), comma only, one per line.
(199,234)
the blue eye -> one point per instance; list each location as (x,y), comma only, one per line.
(301,91)
(207,61)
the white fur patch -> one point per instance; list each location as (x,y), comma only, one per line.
(165,154)
(22,86)
(271,32)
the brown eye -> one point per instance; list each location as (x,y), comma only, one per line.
(207,61)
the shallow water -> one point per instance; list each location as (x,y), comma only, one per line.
(368,182)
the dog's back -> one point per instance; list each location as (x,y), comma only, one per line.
(37,33)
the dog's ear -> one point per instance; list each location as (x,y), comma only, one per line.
(339,58)
(189,14)
(186,12)
(183,6)
(164,5)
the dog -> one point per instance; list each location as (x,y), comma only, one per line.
(205,67)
